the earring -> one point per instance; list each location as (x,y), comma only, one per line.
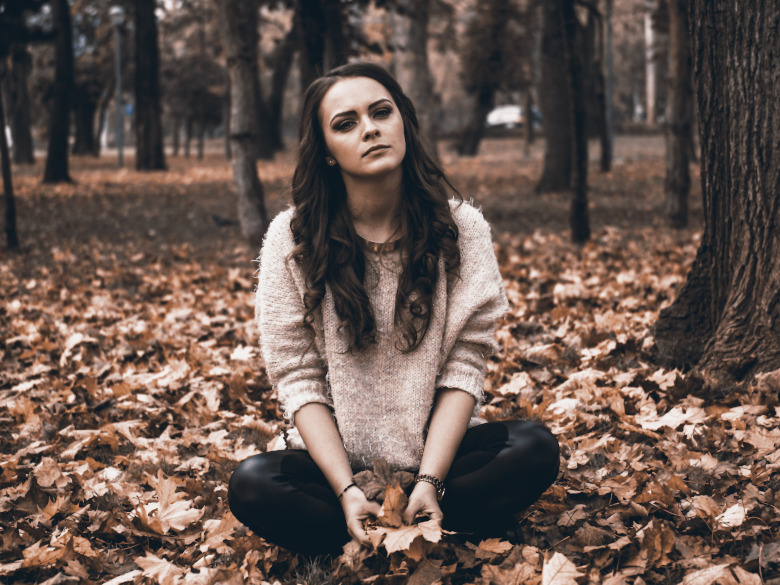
(331,161)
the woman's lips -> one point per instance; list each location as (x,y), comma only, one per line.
(375,148)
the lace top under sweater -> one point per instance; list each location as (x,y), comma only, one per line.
(381,398)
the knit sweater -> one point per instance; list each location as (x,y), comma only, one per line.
(381,398)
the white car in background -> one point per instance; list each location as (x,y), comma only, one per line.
(510,116)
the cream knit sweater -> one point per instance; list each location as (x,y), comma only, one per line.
(381,398)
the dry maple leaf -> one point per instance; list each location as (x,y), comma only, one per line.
(171,510)
(219,531)
(393,507)
(496,545)
(398,539)
(559,570)
(162,571)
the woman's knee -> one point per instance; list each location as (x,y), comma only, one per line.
(251,480)
(536,441)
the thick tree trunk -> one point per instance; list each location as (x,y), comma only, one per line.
(579,221)
(56,169)
(148,121)
(413,69)
(678,122)
(608,143)
(726,320)
(19,104)
(11,237)
(469,145)
(84,108)
(555,98)
(239,34)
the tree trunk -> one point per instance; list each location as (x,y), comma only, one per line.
(201,134)
(105,99)
(472,136)
(579,221)
(148,122)
(56,170)
(413,69)
(11,237)
(311,23)
(19,105)
(530,131)
(187,136)
(239,35)
(226,118)
(176,134)
(608,140)
(279,78)
(84,108)
(726,320)
(554,99)
(678,123)
(650,69)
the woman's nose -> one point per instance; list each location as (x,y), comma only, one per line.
(371,131)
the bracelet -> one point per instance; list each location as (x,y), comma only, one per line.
(434,481)
(353,484)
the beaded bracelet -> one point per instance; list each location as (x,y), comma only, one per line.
(353,484)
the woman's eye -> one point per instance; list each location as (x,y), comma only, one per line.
(345,125)
(382,113)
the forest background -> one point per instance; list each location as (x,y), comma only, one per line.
(634,195)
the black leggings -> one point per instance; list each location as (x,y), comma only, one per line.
(500,469)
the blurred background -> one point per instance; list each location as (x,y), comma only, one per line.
(562,84)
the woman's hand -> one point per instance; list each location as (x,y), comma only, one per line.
(423,500)
(356,509)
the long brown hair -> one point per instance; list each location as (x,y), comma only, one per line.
(329,250)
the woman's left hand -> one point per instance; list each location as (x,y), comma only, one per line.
(423,500)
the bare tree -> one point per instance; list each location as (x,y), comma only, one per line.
(238,23)
(56,169)
(679,113)
(726,319)
(148,122)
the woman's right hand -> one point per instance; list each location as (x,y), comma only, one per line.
(356,509)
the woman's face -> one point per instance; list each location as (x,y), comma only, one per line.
(363,129)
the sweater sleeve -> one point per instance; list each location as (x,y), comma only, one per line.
(475,304)
(293,362)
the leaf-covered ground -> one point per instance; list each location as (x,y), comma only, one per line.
(131,386)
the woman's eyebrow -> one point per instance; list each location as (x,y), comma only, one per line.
(353,112)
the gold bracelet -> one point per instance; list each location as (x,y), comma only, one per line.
(434,481)
(353,484)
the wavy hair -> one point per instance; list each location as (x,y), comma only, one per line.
(328,249)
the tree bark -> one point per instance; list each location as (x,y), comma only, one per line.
(11,237)
(608,141)
(726,320)
(148,121)
(579,221)
(554,99)
(678,122)
(239,34)
(19,106)
(84,108)
(311,23)
(56,170)
(414,72)
(472,136)
(283,64)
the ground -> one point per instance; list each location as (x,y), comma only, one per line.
(131,386)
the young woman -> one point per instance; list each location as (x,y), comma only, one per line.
(376,303)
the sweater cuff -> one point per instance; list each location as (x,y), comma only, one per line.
(291,404)
(463,377)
